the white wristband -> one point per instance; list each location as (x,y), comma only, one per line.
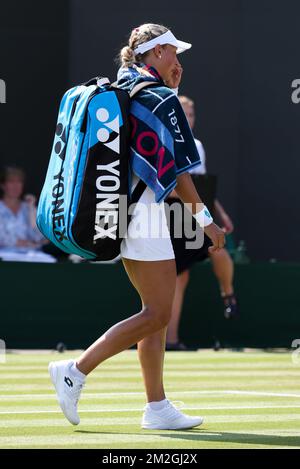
(203,217)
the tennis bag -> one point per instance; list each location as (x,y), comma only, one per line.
(83,208)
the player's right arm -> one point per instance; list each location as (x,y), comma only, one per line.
(188,194)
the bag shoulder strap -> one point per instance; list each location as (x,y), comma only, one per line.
(138,191)
(141,86)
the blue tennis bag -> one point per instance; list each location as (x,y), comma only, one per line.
(83,208)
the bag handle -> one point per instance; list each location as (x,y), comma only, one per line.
(99,81)
(137,87)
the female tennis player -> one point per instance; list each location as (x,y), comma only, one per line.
(162,152)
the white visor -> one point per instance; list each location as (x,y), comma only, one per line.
(166,38)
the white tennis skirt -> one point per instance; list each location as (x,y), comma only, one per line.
(148,236)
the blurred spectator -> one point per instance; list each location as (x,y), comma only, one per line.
(18,230)
(221,261)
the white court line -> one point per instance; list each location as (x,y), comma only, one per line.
(118,394)
(261,393)
(100,411)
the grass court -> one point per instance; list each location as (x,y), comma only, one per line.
(248,400)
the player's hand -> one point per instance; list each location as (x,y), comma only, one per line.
(175,78)
(217,236)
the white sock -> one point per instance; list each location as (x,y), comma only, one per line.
(77,373)
(158,405)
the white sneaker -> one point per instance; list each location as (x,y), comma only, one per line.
(168,418)
(68,388)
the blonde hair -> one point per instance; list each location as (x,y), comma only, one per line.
(143,33)
(186,100)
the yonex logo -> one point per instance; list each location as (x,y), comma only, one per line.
(68,381)
(60,145)
(58,189)
(108,129)
(106,216)
(58,217)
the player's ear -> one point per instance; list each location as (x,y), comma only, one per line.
(157,51)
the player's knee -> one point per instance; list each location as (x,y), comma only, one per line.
(158,316)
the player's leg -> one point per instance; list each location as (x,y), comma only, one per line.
(156,283)
(159,411)
(151,349)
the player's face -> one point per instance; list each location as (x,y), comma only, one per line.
(13,187)
(169,62)
(190,114)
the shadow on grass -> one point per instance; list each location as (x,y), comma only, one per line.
(219,437)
